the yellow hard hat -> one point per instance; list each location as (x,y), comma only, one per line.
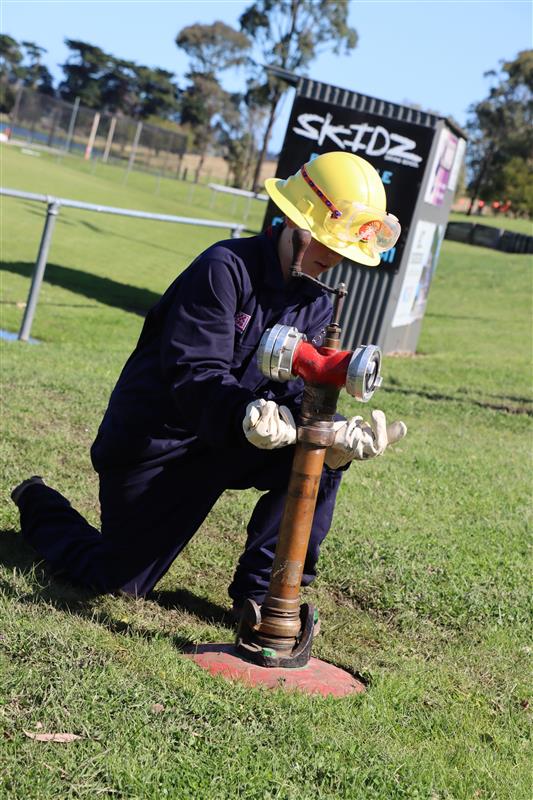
(339,197)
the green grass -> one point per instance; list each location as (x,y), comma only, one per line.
(424,583)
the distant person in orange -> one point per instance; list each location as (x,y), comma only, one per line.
(480,207)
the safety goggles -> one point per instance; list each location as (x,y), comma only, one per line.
(374,229)
(349,222)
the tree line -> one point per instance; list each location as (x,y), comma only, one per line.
(238,125)
(500,147)
(286,34)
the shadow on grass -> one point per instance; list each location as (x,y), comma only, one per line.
(17,555)
(466,317)
(132,240)
(103,290)
(507,408)
(182,599)
(30,208)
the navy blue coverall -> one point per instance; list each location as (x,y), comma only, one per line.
(171,440)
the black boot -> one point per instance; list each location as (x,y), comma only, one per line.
(18,490)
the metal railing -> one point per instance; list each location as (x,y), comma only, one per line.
(54,205)
(217,187)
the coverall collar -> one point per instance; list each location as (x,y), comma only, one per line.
(273,275)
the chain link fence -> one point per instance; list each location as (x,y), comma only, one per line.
(70,127)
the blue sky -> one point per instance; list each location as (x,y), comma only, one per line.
(430,52)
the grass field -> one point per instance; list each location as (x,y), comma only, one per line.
(424,584)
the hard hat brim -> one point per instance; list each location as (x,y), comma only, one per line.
(351,250)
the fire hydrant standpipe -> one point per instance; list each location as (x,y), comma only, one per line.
(280,632)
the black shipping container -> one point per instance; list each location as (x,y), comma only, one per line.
(418,155)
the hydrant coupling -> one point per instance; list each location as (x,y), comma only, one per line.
(284,355)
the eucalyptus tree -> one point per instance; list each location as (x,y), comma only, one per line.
(290,34)
(237,125)
(10,71)
(500,151)
(84,70)
(157,92)
(21,66)
(105,82)
(36,75)
(212,49)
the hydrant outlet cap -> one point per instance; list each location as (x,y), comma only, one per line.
(363,374)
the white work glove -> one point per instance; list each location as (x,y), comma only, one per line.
(268,426)
(355,439)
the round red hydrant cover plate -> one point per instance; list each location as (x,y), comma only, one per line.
(317,677)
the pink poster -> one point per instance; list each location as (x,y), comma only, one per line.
(442,168)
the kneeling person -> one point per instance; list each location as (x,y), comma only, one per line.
(191,414)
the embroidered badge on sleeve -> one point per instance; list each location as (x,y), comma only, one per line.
(241,321)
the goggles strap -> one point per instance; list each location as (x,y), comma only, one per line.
(335,213)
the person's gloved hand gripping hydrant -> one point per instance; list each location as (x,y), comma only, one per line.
(269,426)
(191,414)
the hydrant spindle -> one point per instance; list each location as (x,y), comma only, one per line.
(280,613)
(281,623)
